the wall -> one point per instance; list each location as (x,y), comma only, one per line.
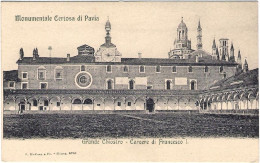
(99,76)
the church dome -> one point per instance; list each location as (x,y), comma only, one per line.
(182,24)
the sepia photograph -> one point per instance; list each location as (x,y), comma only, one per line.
(179,79)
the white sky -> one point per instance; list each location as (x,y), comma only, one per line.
(149,28)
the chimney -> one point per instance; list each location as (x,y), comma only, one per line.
(68,57)
(139,55)
(21,54)
(197,59)
(34,55)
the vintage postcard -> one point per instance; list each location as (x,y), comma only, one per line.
(130,81)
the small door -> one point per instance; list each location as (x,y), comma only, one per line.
(22,107)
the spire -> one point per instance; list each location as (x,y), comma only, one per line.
(239,58)
(199,37)
(199,24)
(232,48)
(232,57)
(214,44)
(245,67)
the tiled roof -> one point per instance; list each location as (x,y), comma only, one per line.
(83,46)
(241,80)
(97,92)
(125,61)
(10,75)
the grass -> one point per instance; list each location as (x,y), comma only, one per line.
(117,125)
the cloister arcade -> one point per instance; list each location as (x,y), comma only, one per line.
(79,102)
(245,99)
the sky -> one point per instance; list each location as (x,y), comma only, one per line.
(146,27)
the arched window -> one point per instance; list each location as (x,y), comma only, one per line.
(77,101)
(158,68)
(168,84)
(82,68)
(125,68)
(190,69)
(206,69)
(193,85)
(131,84)
(174,69)
(109,84)
(88,101)
(41,73)
(141,68)
(109,68)
(221,69)
(58,72)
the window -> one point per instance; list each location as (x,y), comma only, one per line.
(98,104)
(109,84)
(46,102)
(118,103)
(149,87)
(43,85)
(158,69)
(221,69)
(41,74)
(129,104)
(82,68)
(141,69)
(24,75)
(206,69)
(168,84)
(109,68)
(131,84)
(11,84)
(58,73)
(193,85)
(24,85)
(174,69)
(125,68)
(35,102)
(58,103)
(190,69)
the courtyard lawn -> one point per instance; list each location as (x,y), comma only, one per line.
(128,125)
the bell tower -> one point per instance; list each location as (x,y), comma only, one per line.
(108,51)
(224,49)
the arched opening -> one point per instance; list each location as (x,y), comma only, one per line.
(142,68)
(193,85)
(131,84)
(82,68)
(87,101)
(150,105)
(168,84)
(77,101)
(125,69)
(158,68)
(109,84)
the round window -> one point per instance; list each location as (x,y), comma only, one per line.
(83,79)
